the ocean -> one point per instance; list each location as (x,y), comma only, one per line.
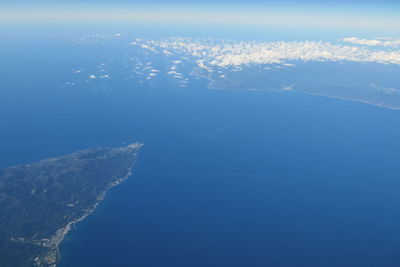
(225,178)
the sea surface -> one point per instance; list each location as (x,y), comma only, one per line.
(226,178)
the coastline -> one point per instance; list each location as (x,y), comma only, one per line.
(53,256)
(211,86)
(396,108)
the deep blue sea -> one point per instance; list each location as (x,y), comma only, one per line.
(226,178)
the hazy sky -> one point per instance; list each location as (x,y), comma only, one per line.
(375,16)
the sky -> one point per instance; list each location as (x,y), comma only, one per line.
(368,16)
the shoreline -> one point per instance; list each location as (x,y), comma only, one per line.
(60,234)
(211,86)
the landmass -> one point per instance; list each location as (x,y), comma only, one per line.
(40,202)
(369,83)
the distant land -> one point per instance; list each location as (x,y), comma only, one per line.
(368,83)
(40,202)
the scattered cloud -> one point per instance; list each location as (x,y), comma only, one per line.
(288,87)
(385,90)
(382,41)
(208,53)
(217,59)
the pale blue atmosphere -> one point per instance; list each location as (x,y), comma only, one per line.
(269,139)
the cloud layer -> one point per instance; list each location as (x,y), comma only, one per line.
(211,53)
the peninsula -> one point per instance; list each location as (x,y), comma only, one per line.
(40,202)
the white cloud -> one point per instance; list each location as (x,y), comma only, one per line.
(288,65)
(385,90)
(355,40)
(288,87)
(382,41)
(209,53)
